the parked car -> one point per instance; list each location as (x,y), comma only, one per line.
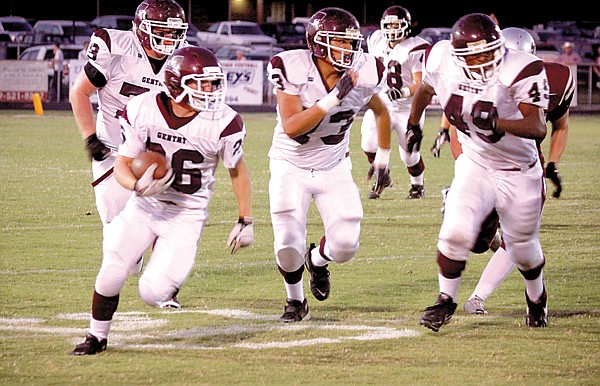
(121,22)
(289,35)
(192,35)
(74,31)
(45,52)
(435,34)
(243,33)
(229,52)
(15,26)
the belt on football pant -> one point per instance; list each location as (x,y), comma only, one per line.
(103,177)
(521,169)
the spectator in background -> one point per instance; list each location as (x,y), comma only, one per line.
(569,56)
(239,55)
(57,67)
(83,53)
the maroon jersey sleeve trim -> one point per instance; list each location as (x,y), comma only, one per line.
(235,126)
(531,69)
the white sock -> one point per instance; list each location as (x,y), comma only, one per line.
(449,286)
(294,291)
(418,180)
(535,288)
(317,259)
(100,328)
(496,270)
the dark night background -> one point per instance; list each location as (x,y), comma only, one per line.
(510,13)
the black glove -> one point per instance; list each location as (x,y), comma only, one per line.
(383,181)
(394,93)
(97,149)
(442,137)
(554,176)
(344,85)
(414,136)
(485,120)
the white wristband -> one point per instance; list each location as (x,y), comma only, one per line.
(329,102)
(405,92)
(382,158)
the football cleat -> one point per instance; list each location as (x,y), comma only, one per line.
(91,346)
(295,311)
(439,314)
(537,313)
(171,303)
(474,306)
(416,192)
(319,277)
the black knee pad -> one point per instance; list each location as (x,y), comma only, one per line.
(450,269)
(292,277)
(103,308)
(534,273)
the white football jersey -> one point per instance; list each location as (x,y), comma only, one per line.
(294,72)
(401,62)
(520,78)
(118,65)
(193,146)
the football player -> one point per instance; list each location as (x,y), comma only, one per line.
(402,55)
(319,92)
(192,127)
(496,100)
(122,64)
(562,88)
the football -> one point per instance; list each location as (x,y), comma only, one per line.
(143,161)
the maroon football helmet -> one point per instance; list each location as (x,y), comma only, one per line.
(160,25)
(198,65)
(334,23)
(476,34)
(395,23)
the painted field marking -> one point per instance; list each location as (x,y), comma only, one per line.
(129,329)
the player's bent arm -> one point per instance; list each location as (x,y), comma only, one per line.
(422,98)
(80,95)
(383,121)
(417,78)
(295,119)
(123,173)
(558,138)
(532,125)
(242,188)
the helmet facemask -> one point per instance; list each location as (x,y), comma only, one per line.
(394,28)
(348,55)
(160,41)
(201,100)
(481,72)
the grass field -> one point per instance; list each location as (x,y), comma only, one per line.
(367,332)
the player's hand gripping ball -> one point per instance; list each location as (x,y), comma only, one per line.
(143,161)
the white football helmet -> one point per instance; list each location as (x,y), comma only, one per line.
(519,39)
